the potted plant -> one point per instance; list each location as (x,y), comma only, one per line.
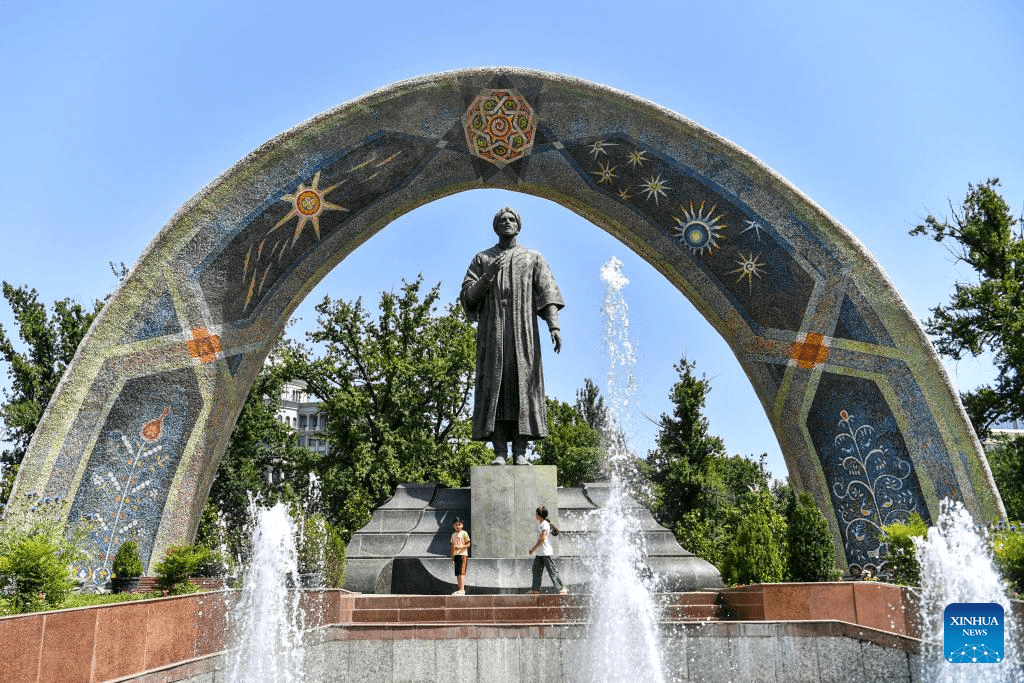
(127,568)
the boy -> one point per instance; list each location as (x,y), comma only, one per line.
(460,556)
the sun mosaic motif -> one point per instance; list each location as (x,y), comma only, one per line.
(699,229)
(308,204)
(500,126)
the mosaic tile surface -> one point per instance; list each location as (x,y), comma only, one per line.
(865,416)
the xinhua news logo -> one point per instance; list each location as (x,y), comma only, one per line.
(973,633)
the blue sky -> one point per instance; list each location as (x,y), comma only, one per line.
(113,115)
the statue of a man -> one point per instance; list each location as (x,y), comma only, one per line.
(506,288)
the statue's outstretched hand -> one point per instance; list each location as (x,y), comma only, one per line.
(556,339)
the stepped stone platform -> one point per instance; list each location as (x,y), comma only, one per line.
(379,610)
(404,549)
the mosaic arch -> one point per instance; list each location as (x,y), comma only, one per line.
(864,413)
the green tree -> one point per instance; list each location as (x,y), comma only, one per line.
(1006,458)
(590,404)
(755,555)
(987,315)
(572,445)
(680,468)
(396,391)
(812,555)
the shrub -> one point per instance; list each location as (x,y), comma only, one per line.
(213,563)
(36,564)
(900,560)
(812,556)
(754,555)
(1008,549)
(127,563)
(180,562)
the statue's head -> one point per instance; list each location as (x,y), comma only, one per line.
(503,220)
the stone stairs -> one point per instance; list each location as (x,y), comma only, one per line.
(390,610)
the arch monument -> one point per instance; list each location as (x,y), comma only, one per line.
(865,415)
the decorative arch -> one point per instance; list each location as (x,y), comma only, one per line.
(865,415)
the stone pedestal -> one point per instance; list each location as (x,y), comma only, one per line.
(504,501)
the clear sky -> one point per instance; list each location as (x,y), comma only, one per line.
(112,115)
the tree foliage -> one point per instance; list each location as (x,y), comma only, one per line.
(988,315)
(812,555)
(572,445)
(707,497)
(755,555)
(1006,458)
(396,391)
(35,561)
(900,558)
(681,467)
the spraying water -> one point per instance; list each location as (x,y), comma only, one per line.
(622,636)
(956,568)
(267,618)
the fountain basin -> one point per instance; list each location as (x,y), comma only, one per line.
(797,631)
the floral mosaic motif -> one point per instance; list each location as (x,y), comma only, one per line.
(126,489)
(500,126)
(872,489)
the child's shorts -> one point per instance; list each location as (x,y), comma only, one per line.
(460,564)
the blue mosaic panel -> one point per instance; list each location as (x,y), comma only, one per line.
(132,465)
(872,480)
(737,248)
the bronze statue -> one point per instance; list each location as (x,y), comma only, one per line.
(505,289)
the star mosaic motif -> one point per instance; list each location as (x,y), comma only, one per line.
(749,266)
(600,147)
(755,226)
(654,187)
(637,158)
(605,173)
(307,205)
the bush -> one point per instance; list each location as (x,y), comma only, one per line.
(36,565)
(1008,549)
(213,563)
(900,560)
(812,556)
(180,562)
(127,562)
(754,556)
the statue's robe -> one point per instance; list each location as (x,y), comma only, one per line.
(509,377)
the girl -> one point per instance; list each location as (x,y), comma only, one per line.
(544,558)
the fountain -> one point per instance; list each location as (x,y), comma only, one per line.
(267,620)
(623,642)
(956,567)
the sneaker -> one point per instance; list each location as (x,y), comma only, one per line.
(564,591)
(459,593)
